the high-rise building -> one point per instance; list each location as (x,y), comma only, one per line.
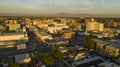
(92,25)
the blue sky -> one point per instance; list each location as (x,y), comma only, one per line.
(103,7)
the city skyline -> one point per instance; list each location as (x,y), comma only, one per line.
(95,7)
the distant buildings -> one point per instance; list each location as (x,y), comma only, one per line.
(75,25)
(35,22)
(28,21)
(42,25)
(68,34)
(112,24)
(55,27)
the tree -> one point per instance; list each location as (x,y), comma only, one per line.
(46,58)
(92,36)
(45,55)
(68,44)
(54,49)
(57,53)
(49,61)
(89,43)
(14,65)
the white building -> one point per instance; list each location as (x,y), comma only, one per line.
(42,25)
(56,27)
(94,26)
(43,35)
(57,41)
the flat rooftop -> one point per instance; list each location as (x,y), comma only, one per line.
(9,34)
(100,41)
(43,33)
(89,62)
(114,44)
(57,39)
(19,58)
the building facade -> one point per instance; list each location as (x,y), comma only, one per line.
(17,40)
(109,49)
(94,26)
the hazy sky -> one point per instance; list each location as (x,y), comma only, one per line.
(56,6)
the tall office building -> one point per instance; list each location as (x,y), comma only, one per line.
(92,25)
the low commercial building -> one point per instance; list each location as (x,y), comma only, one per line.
(92,62)
(109,49)
(42,25)
(57,41)
(55,27)
(22,58)
(43,35)
(17,40)
(79,56)
(13,27)
(63,50)
(68,34)
(69,49)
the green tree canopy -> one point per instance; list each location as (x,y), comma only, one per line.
(49,61)
(57,53)
(89,43)
(14,65)
(46,58)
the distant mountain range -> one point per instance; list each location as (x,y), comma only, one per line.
(10,14)
(62,14)
(70,15)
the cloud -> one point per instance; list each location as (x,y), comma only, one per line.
(55,6)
